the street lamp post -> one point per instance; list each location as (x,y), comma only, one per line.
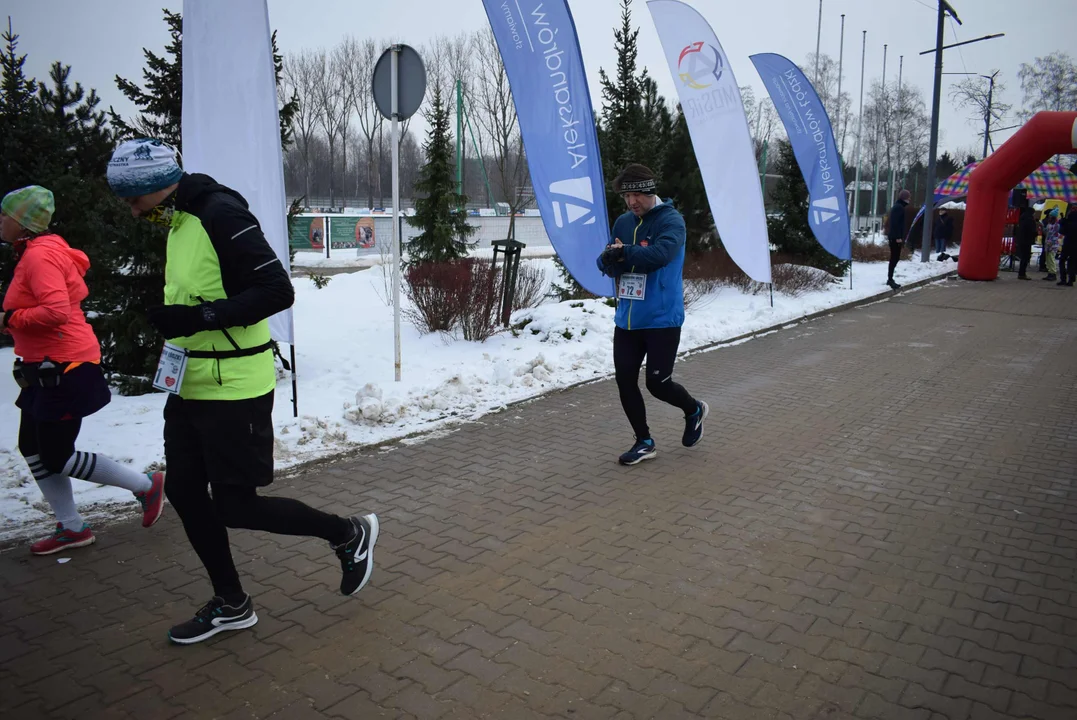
(929,196)
(929,200)
(987,115)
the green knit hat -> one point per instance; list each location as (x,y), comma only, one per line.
(31,207)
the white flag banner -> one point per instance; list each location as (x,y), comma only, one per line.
(231,129)
(723,145)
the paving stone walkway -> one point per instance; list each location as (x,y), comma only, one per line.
(880,523)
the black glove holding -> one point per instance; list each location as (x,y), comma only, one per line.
(613,254)
(174,321)
(7,318)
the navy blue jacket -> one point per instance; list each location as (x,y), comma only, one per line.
(654,245)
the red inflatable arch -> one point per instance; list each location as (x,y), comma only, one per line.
(1046,134)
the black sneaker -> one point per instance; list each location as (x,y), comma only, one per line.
(214,617)
(893,285)
(693,424)
(642,450)
(357,555)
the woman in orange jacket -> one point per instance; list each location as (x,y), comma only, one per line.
(58,368)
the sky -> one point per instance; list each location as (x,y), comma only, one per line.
(104,38)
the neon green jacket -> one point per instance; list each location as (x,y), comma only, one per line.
(218,257)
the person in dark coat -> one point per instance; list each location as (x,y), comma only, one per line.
(895,233)
(943,232)
(1026,236)
(1067,259)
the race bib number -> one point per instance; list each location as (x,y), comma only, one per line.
(170,369)
(632,286)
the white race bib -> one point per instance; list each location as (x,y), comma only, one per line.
(632,286)
(170,369)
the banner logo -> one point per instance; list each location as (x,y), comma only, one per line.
(700,66)
(565,212)
(826,210)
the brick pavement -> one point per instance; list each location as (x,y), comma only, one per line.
(879,524)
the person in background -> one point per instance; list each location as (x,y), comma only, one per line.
(58,368)
(895,233)
(943,232)
(1067,258)
(1051,243)
(1026,236)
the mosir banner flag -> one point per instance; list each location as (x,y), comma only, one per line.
(230,126)
(714,110)
(538,44)
(812,138)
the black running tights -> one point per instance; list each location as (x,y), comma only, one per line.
(659,346)
(206,521)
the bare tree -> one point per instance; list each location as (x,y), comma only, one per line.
(340,76)
(763,121)
(328,106)
(361,57)
(302,75)
(1049,83)
(983,99)
(896,126)
(838,109)
(500,127)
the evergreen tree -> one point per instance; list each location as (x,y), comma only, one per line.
(683,184)
(287,110)
(440,211)
(57,138)
(655,134)
(161,103)
(622,129)
(790,232)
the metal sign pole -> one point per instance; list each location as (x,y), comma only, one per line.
(398,84)
(394,139)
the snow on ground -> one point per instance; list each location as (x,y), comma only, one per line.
(347,394)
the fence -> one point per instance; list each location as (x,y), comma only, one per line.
(372,234)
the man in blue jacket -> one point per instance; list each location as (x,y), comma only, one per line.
(646,260)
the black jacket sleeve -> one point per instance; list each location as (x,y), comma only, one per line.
(256,283)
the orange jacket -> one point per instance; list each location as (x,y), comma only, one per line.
(45,296)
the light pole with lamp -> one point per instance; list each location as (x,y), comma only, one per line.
(929,199)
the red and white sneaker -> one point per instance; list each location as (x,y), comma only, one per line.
(153,500)
(62,539)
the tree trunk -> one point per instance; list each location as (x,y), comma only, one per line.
(370,171)
(343,169)
(331,198)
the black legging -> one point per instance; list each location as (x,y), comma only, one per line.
(237,506)
(660,348)
(53,442)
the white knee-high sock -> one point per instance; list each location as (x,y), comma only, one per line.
(106,471)
(58,494)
